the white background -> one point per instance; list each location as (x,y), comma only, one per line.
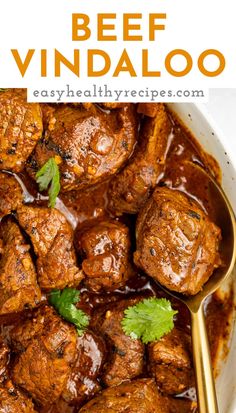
(193,25)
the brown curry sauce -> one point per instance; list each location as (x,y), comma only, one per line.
(92,203)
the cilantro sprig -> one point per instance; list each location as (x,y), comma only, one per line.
(64,302)
(149,320)
(49,174)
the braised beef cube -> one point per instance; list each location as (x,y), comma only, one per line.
(170,362)
(130,188)
(105,248)
(18,280)
(148,109)
(45,365)
(31,327)
(11,194)
(90,143)
(126,355)
(84,378)
(112,105)
(20,129)
(177,244)
(48,111)
(181,405)
(13,400)
(52,239)
(137,396)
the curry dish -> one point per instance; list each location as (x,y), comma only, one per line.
(100,204)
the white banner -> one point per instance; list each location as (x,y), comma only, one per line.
(164,50)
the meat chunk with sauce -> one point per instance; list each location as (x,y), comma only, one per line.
(170,362)
(11,194)
(13,400)
(52,239)
(84,378)
(112,105)
(177,244)
(130,188)
(101,105)
(148,109)
(126,356)
(48,347)
(18,280)
(138,396)
(30,328)
(89,143)
(180,405)
(105,249)
(20,129)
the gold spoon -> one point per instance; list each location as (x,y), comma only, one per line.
(225,219)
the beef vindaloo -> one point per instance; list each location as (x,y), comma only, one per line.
(99,203)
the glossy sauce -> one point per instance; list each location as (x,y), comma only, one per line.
(79,208)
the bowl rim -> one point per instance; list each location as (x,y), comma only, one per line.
(189,113)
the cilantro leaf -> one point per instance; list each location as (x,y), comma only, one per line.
(49,174)
(149,320)
(64,302)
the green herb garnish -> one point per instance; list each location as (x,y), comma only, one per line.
(149,320)
(49,174)
(64,302)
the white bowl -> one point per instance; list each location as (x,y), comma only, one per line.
(203,127)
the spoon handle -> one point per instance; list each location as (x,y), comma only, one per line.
(207,401)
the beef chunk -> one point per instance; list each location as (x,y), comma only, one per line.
(30,328)
(131,187)
(101,105)
(105,246)
(148,109)
(14,401)
(62,407)
(52,239)
(48,111)
(138,396)
(11,196)
(83,381)
(90,143)
(177,244)
(49,351)
(180,405)
(170,362)
(20,129)
(112,105)
(4,359)
(18,283)
(126,359)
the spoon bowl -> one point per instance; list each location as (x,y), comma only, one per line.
(225,219)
